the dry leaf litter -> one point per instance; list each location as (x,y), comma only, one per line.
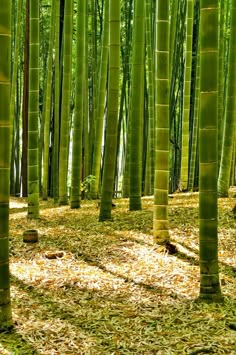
(90,287)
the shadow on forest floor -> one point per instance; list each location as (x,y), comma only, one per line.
(12,342)
(111,290)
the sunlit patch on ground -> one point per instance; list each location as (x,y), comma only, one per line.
(104,288)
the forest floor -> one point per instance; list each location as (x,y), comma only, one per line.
(90,287)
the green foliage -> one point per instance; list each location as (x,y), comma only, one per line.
(86,184)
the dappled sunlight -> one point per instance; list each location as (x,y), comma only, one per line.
(17,203)
(63,272)
(107,288)
(43,319)
(4,351)
(187,239)
(145,265)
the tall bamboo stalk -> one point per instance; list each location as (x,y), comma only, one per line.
(112,111)
(33,113)
(65,106)
(5,139)
(79,112)
(161,182)
(137,105)
(208,154)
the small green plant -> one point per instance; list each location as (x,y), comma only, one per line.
(86,183)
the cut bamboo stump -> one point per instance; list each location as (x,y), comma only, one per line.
(54,254)
(30,236)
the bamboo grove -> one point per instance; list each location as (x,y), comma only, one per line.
(118,99)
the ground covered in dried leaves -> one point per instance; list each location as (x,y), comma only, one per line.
(90,287)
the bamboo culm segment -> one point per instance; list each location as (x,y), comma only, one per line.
(161,181)
(5,151)
(208,155)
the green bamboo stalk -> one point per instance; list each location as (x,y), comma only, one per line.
(221,75)
(173,22)
(149,176)
(5,150)
(112,111)
(25,105)
(33,112)
(16,53)
(233,163)
(195,103)
(65,107)
(195,128)
(13,103)
(187,93)
(102,81)
(55,171)
(161,182)
(208,155)
(94,81)
(126,49)
(78,115)
(126,173)
(230,114)
(48,102)
(136,105)
(86,103)
(176,94)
